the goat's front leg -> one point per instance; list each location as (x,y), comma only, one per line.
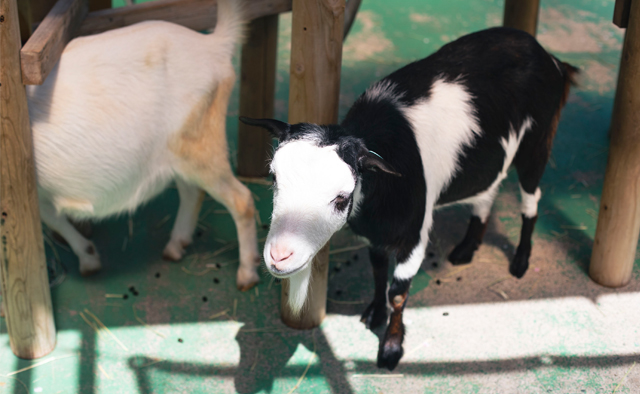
(390,350)
(376,313)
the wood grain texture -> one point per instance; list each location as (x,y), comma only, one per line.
(316,56)
(23,270)
(522,14)
(41,53)
(257,95)
(194,14)
(616,239)
(621,13)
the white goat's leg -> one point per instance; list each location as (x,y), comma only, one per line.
(82,247)
(237,198)
(191,197)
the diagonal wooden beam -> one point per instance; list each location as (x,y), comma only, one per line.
(41,53)
(67,20)
(621,13)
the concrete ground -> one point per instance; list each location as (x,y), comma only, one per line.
(471,329)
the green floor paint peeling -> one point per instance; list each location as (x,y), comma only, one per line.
(184,328)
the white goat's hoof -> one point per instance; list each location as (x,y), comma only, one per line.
(247,278)
(175,249)
(90,261)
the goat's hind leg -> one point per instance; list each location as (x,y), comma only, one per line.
(464,251)
(530,163)
(82,247)
(237,198)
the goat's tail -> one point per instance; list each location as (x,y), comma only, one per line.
(570,74)
(230,26)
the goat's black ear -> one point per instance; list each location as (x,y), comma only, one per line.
(372,161)
(277,128)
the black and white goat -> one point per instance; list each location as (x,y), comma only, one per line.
(439,131)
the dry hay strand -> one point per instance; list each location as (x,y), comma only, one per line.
(345,302)
(106,329)
(311,358)
(257,181)
(135,314)
(216,315)
(347,249)
(43,362)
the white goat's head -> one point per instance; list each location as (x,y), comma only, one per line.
(316,170)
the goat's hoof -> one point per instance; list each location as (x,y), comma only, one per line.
(90,264)
(390,353)
(374,316)
(174,250)
(520,263)
(246,279)
(463,253)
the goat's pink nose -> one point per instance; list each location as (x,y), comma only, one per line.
(279,254)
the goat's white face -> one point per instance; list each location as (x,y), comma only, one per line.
(313,191)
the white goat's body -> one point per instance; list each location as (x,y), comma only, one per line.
(103,121)
(126,112)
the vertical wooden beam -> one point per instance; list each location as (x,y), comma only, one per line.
(25,19)
(257,94)
(616,239)
(316,57)
(522,14)
(23,269)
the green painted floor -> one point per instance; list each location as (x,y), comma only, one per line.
(471,329)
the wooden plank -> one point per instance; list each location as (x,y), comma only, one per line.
(522,14)
(97,5)
(316,56)
(257,95)
(23,269)
(621,13)
(616,239)
(41,53)
(194,14)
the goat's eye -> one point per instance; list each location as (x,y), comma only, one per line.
(341,202)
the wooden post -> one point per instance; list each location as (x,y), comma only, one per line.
(257,94)
(23,269)
(315,306)
(616,239)
(25,19)
(522,14)
(316,56)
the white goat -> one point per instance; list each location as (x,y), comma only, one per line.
(126,112)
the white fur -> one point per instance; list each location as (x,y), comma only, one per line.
(483,201)
(309,178)
(383,90)
(299,288)
(530,202)
(444,124)
(104,120)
